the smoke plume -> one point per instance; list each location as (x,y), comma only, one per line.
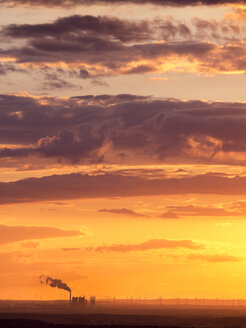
(47,280)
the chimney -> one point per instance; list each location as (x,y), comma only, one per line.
(70,296)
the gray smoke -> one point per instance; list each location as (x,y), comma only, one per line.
(47,280)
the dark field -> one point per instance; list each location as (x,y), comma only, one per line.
(61,315)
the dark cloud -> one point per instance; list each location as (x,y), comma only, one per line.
(12,234)
(216,27)
(141,69)
(83,186)
(113,55)
(122,129)
(124,212)
(54,81)
(96,28)
(9,68)
(118,29)
(68,3)
(95,47)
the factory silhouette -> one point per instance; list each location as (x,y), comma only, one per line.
(75,300)
(82,300)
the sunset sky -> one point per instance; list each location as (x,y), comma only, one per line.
(123,148)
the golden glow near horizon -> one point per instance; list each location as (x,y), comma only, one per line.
(122,150)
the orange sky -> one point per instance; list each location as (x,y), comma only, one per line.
(122,156)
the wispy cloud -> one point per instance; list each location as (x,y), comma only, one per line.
(216,258)
(12,234)
(175,212)
(83,186)
(124,212)
(148,245)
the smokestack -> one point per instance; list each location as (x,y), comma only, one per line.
(70,297)
(47,280)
